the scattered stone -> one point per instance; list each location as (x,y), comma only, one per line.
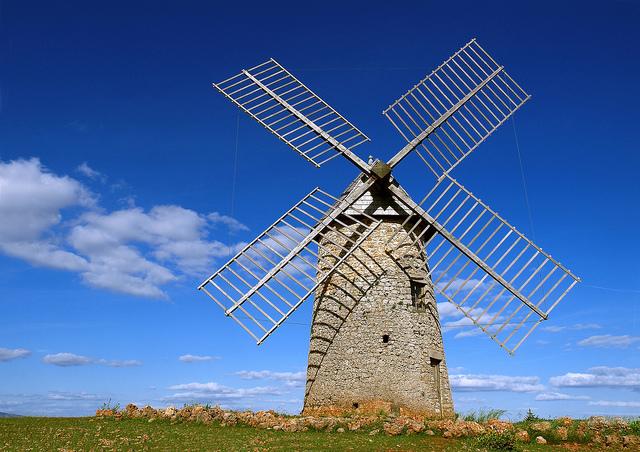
(340,430)
(393,428)
(374,432)
(447,434)
(562,433)
(543,426)
(611,440)
(540,440)
(429,432)
(630,441)
(565,421)
(523,436)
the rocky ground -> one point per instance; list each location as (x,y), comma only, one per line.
(494,433)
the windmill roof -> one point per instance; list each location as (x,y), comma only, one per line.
(375,201)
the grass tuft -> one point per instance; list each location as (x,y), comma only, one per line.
(482,416)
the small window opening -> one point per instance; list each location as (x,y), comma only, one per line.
(434,361)
(385,338)
(418,290)
(355,405)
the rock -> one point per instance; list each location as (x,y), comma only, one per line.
(169,412)
(628,441)
(496,425)
(565,421)
(374,432)
(447,434)
(429,432)
(523,436)
(543,426)
(540,440)
(414,426)
(148,412)
(393,428)
(340,430)
(611,440)
(562,433)
(131,410)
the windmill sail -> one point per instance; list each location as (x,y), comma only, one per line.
(500,280)
(273,275)
(295,114)
(455,108)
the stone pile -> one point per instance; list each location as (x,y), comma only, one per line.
(597,430)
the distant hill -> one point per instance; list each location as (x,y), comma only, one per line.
(8,415)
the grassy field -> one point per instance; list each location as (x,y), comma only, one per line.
(66,434)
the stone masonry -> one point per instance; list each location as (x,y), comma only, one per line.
(376,342)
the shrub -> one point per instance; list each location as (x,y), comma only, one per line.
(109,406)
(634,426)
(482,416)
(496,441)
(531,416)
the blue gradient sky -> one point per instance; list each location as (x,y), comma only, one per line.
(125,89)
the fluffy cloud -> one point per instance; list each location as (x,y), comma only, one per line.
(196,358)
(611,377)
(290,379)
(495,383)
(7,354)
(553,396)
(71,359)
(131,250)
(609,341)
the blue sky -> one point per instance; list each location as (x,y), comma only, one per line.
(121,189)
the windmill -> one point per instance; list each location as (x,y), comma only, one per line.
(373,257)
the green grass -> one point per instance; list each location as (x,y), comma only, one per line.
(65,434)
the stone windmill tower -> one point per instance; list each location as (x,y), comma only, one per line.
(373,258)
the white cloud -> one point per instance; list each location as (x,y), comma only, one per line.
(214,392)
(133,251)
(55,403)
(609,341)
(30,205)
(119,363)
(72,396)
(495,383)
(612,377)
(574,327)
(66,359)
(230,222)
(197,358)
(447,309)
(553,396)
(89,172)
(615,403)
(8,354)
(461,285)
(291,379)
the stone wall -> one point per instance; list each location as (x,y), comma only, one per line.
(373,345)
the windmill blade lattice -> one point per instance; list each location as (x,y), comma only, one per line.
(272,276)
(455,108)
(523,284)
(294,113)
